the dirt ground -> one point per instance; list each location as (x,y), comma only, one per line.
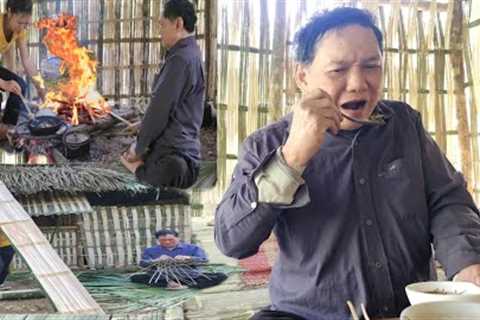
(107,147)
(25,306)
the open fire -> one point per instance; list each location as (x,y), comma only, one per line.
(75,99)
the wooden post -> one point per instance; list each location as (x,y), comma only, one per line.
(118,49)
(439,81)
(211,16)
(101,17)
(278,62)
(456,45)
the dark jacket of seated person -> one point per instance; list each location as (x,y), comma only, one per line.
(167,150)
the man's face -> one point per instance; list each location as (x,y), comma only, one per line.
(20,22)
(168,241)
(347,66)
(169,31)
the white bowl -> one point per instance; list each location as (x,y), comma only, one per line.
(446,310)
(431,291)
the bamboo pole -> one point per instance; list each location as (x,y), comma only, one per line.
(146,48)
(243,83)
(422,69)
(438,82)
(101,16)
(264,65)
(131,49)
(117,57)
(456,43)
(474,80)
(211,18)
(222,108)
(278,62)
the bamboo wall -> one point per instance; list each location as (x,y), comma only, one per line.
(432,61)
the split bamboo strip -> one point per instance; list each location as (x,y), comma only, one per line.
(253,73)
(100,51)
(242,81)
(472,68)
(278,62)
(412,74)
(264,66)
(211,14)
(422,63)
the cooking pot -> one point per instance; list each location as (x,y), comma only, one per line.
(76,144)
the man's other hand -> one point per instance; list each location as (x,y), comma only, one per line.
(131,166)
(11,86)
(470,274)
(183,258)
(130,155)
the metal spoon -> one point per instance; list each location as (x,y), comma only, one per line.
(374,122)
(27,105)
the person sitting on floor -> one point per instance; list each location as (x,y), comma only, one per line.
(179,260)
(167,150)
(6,257)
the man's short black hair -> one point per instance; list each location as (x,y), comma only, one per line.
(181,8)
(307,37)
(165,232)
(20,6)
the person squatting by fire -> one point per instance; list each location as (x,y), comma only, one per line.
(13,34)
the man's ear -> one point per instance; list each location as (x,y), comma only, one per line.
(300,76)
(179,23)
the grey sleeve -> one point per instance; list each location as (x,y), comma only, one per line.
(278,182)
(242,223)
(166,94)
(454,218)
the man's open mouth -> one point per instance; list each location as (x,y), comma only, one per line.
(354,104)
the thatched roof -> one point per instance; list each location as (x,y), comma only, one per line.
(28,180)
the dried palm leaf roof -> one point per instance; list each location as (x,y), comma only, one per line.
(74,178)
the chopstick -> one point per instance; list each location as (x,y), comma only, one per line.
(364,311)
(352,310)
(355,314)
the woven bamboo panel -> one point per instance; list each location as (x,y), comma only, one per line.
(115,237)
(54,204)
(57,280)
(64,240)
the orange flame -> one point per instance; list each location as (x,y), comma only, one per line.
(76,98)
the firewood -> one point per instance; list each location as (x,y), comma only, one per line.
(107,122)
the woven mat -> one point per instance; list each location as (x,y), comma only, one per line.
(259,266)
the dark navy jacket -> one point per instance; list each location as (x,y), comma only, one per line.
(362,226)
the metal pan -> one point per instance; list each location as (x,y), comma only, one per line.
(44,125)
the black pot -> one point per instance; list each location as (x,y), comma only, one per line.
(76,144)
(44,125)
